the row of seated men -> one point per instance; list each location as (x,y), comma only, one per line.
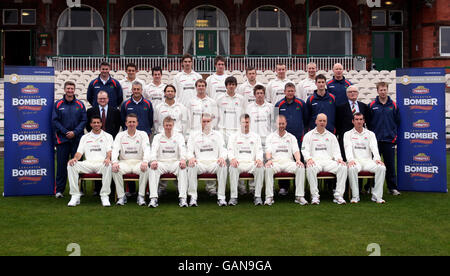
(105,94)
(207,152)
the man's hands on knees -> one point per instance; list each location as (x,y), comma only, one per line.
(144,166)
(115,167)
(222,162)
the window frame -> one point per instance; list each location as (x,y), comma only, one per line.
(333,29)
(440,41)
(70,28)
(287,29)
(389,17)
(21,17)
(385,24)
(18,16)
(132,28)
(218,29)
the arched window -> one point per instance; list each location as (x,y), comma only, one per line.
(206,32)
(268,32)
(80,32)
(143,32)
(330,32)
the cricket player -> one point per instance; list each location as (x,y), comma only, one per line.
(246,89)
(306,87)
(320,149)
(131,154)
(199,105)
(206,153)
(171,107)
(154,91)
(245,154)
(275,87)
(360,144)
(262,120)
(231,106)
(168,155)
(215,83)
(96,146)
(185,80)
(281,146)
(127,82)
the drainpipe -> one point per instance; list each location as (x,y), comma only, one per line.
(307,31)
(107,29)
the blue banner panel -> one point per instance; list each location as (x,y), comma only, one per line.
(29,153)
(421,154)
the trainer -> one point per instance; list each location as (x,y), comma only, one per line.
(104,82)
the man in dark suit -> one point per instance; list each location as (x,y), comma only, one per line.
(344,115)
(110,122)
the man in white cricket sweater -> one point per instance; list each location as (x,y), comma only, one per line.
(206,154)
(199,105)
(360,145)
(185,81)
(245,89)
(320,149)
(171,107)
(281,149)
(245,154)
(131,154)
(306,87)
(215,83)
(168,155)
(275,87)
(96,146)
(127,82)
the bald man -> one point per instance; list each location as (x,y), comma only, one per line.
(339,84)
(320,149)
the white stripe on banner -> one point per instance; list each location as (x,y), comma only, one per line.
(14,78)
(405,80)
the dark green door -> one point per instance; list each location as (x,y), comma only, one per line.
(387,50)
(206,43)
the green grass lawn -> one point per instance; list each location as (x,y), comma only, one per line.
(411,224)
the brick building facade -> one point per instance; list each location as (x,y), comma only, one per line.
(415,37)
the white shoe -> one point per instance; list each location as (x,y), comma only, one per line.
(339,200)
(354,200)
(122,201)
(59,195)
(141,200)
(233,202)
(221,202)
(269,201)
(283,192)
(105,201)
(315,201)
(153,202)
(300,200)
(74,201)
(379,201)
(394,192)
(183,202)
(258,201)
(193,203)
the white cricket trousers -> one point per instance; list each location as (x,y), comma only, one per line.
(327,166)
(288,167)
(89,167)
(130,166)
(168,167)
(207,167)
(248,167)
(370,166)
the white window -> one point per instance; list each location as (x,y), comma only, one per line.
(330,32)
(143,32)
(444,43)
(80,32)
(206,31)
(378,18)
(268,32)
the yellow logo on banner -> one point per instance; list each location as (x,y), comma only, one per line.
(406,80)
(14,79)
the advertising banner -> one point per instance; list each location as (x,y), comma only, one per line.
(29,155)
(421,155)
